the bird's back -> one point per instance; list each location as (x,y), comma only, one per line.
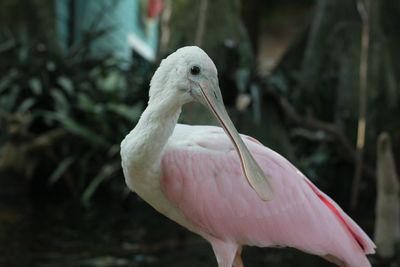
(202,177)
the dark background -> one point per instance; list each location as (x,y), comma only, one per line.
(300,76)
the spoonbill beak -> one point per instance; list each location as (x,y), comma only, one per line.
(209,94)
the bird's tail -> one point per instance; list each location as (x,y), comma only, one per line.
(366,244)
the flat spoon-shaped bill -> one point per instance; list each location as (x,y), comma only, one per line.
(212,98)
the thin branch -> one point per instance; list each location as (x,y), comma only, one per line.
(99,16)
(94,31)
(387,210)
(71,23)
(165,28)
(201,22)
(363,10)
(314,124)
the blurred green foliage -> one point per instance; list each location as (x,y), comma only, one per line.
(66,115)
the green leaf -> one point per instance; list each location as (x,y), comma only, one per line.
(36,86)
(7,80)
(60,170)
(61,102)
(85,103)
(23,53)
(12,97)
(131,113)
(111,82)
(74,127)
(66,84)
(26,105)
(51,66)
(4,83)
(105,172)
(7,45)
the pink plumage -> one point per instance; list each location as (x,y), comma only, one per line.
(202,177)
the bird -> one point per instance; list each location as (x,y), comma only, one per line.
(226,187)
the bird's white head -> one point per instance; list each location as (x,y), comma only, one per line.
(190,75)
(180,76)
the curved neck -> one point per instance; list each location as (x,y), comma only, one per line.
(142,148)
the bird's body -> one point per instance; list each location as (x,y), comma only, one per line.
(194,176)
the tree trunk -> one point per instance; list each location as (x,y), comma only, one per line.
(387,223)
(251,19)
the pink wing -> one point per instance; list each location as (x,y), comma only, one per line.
(202,177)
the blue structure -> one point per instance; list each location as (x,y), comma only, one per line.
(128,28)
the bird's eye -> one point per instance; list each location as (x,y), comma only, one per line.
(195,70)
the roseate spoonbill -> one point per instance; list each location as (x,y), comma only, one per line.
(212,182)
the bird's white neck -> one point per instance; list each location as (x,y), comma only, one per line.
(142,148)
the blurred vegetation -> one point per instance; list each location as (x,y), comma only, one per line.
(64,116)
(31,20)
(319,75)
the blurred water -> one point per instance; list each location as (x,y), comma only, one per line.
(108,234)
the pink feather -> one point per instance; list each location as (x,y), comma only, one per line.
(202,177)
